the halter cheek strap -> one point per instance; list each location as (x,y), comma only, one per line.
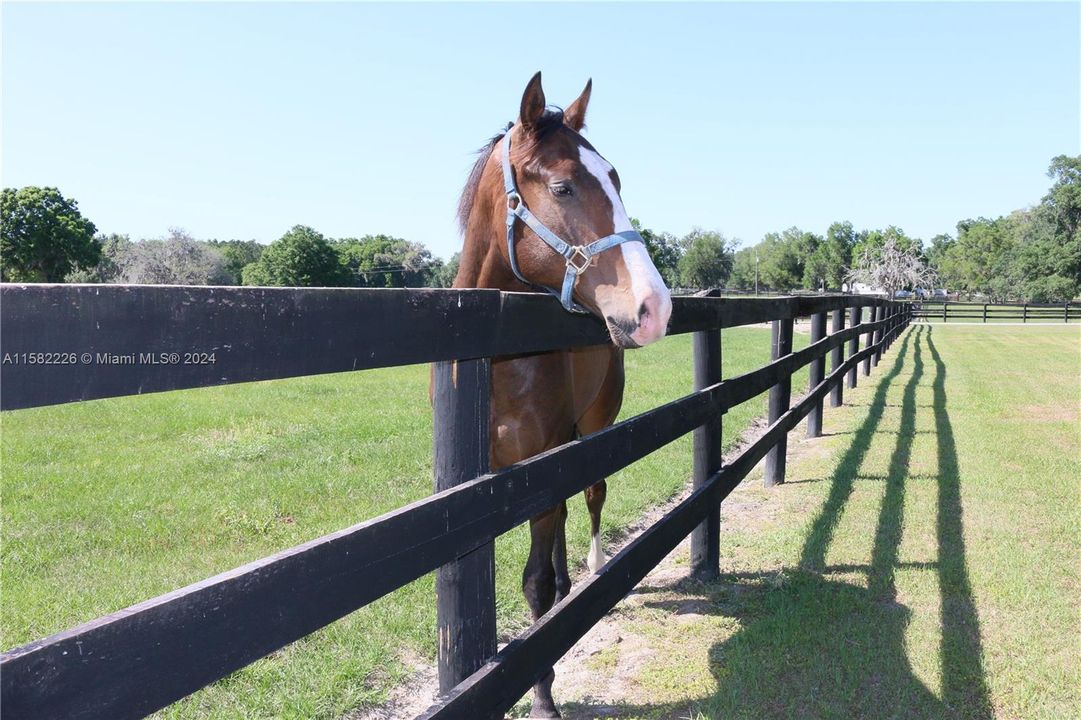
(578,257)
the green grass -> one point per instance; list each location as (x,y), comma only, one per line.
(921,561)
(111,502)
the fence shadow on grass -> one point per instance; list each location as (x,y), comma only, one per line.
(814,646)
(963,680)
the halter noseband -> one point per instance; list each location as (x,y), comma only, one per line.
(579,257)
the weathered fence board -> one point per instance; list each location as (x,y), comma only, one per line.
(170,333)
(132,662)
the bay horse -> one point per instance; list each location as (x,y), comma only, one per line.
(542,210)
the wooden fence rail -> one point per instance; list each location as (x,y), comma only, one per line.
(930,311)
(135,661)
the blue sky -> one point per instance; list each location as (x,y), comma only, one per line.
(241,120)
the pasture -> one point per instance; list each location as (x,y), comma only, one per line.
(110,502)
(920,561)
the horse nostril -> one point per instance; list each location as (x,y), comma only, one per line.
(642,311)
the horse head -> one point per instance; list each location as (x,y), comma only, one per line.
(561,222)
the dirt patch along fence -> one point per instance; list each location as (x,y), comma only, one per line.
(66,343)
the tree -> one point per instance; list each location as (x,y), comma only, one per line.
(782,258)
(385,261)
(43,236)
(177,259)
(1031,255)
(744,268)
(113,247)
(979,260)
(706,261)
(301,257)
(1064,197)
(443,274)
(828,263)
(237,254)
(891,267)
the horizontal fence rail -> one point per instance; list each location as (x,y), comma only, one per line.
(512,671)
(62,343)
(132,662)
(929,311)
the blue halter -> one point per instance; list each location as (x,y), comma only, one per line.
(579,257)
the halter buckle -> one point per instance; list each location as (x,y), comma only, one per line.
(513,200)
(579,260)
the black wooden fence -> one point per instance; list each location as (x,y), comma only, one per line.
(945,311)
(67,343)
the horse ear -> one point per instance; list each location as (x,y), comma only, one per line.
(575,115)
(532,102)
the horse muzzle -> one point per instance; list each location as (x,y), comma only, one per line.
(650,325)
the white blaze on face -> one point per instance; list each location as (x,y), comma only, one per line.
(647,286)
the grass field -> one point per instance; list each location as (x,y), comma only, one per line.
(921,561)
(111,502)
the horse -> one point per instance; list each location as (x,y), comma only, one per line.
(542,210)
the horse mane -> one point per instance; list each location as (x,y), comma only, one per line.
(551,120)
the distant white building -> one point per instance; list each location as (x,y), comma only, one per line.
(865,289)
(859,288)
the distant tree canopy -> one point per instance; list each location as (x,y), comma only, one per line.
(443,274)
(43,236)
(177,259)
(706,260)
(301,257)
(385,261)
(237,254)
(1031,255)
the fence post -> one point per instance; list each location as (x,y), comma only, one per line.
(876,338)
(465,588)
(1066,312)
(944,304)
(1024,313)
(838,324)
(818,374)
(985,312)
(779,397)
(854,318)
(705,539)
(872,315)
(887,331)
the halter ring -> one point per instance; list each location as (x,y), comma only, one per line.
(513,200)
(578,255)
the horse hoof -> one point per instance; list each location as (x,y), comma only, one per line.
(544,710)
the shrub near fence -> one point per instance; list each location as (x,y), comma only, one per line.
(68,343)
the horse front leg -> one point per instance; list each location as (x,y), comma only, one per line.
(595,496)
(539,587)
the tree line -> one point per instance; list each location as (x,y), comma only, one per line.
(1031,255)
(46,239)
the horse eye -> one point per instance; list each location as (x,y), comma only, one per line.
(561,190)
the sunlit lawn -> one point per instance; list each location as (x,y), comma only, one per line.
(921,561)
(111,502)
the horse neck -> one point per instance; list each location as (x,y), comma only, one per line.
(482,263)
